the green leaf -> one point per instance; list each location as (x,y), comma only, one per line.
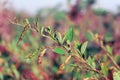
(42,30)
(78,47)
(109,49)
(89,36)
(36,21)
(91,62)
(83,47)
(73,65)
(116,76)
(60,38)
(89,74)
(104,69)
(55,69)
(15,71)
(59,51)
(69,35)
(27,21)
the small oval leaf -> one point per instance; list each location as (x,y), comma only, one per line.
(83,47)
(59,51)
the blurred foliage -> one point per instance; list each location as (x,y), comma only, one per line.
(79,44)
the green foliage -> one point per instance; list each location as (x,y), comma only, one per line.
(60,38)
(59,51)
(116,75)
(91,62)
(83,47)
(34,53)
(100,11)
(104,69)
(36,21)
(109,49)
(16,73)
(89,36)
(95,59)
(89,74)
(108,36)
(69,35)
(23,33)
(1,76)
(63,43)
(59,15)
(55,69)
(42,30)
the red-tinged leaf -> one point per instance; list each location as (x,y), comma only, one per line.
(41,55)
(34,53)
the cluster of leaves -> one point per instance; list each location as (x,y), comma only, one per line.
(66,45)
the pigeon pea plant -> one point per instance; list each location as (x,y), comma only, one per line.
(74,50)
